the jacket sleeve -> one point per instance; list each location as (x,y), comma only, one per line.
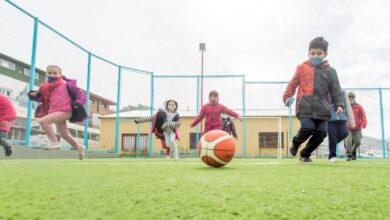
(349,112)
(335,90)
(199,118)
(38,98)
(291,86)
(144,119)
(7,110)
(364,118)
(230,112)
(79,95)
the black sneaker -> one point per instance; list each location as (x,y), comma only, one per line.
(8,148)
(293,150)
(349,158)
(305,160)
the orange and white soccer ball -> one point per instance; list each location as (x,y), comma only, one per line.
(216,148)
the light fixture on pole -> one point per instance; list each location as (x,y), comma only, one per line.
(202,49)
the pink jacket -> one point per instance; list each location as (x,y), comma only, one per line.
(60,100)
(213,116)
(7,113)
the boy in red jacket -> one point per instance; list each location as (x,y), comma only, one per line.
(212,111)
(7,115)
(353,141)
(316,81)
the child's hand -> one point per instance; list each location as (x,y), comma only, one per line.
(33,93)
(289,101)
(339,111)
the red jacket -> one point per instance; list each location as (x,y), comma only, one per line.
(213,116)
(315,84)
(7,113)
(360,117)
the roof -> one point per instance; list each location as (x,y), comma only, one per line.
(193,113)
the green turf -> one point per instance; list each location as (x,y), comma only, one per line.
(187,189)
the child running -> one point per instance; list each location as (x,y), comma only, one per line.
(56,107)
(213,111)
(166,122)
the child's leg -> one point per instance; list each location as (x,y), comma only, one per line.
(172,139)
(62,129)
(49,119)
(6,144)
(164,146)
(306,130)
(342,131)
(332,136)
(316,139)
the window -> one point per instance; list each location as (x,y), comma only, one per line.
(6,92)
(193,141)
(7,64)
(269,140)
(72,132)
(130,142)
(95,137)
(27,73)
(80,134)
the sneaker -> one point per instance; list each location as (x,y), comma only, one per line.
(176,158)
(293,150)
(333,159)
(8,148)
(167,157)
(305,160)
(81,153)
(349,158)
(53,146)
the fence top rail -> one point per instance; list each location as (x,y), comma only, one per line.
(20,9)
(367,89)
(266,82)
(137,70)
(195,76)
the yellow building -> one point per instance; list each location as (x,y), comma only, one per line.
(261,139)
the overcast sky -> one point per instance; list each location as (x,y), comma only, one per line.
(265,40)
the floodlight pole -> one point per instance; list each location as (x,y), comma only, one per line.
(202,49)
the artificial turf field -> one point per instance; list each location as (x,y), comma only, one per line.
(187,189)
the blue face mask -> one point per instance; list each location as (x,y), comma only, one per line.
(316,60)
(51,79)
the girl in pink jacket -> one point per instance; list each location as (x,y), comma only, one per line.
(56,108)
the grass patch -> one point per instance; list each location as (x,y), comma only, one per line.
(187,189)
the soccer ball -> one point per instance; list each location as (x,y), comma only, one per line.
(216,148)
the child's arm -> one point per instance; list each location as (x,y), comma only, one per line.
(144,119)
(198,119)
(292,86)
(35,95)
(230,112)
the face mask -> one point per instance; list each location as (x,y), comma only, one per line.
(316,60)
(51,79)
(224,116)
(352,102)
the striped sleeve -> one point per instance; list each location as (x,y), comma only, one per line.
(144,119)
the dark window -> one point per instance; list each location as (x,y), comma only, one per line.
(269,140)
(130,142)
(193,141)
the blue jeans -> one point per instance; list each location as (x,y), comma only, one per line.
(313,128)
(337,131)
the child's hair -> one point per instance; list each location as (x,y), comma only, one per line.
(213,93)
(54,66)
(168,101)
(319,43)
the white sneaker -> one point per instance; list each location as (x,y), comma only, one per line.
(167,157)
(81,153)
(53,146)
(176,158)
(333,159)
